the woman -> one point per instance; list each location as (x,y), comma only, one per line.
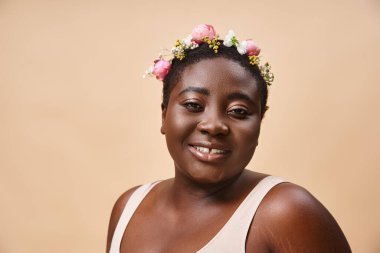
(214,99)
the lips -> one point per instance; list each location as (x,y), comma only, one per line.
(209,152)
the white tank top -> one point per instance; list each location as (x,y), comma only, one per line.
(230,239)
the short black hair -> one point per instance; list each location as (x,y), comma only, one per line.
(204,52)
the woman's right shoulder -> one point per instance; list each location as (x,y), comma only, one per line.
(116,213)
(121,202)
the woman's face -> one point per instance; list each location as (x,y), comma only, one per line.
(212,121)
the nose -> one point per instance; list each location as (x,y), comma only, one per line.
(213,124)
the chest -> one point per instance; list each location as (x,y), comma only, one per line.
(164,231)
(211,229)
(174,239)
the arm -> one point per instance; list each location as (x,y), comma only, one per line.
(116,213)
(292,220)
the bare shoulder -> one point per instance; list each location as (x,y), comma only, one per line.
(116,213)
(295,221)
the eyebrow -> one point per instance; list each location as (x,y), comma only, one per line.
(232,96)
(239,95)
(200,90)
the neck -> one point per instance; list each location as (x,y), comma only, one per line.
(185,192)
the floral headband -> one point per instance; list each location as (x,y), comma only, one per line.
(206,34)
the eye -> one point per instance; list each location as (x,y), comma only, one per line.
(238,112)
(193,106)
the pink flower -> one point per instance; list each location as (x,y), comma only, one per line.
(161,68)
(202,31)
(252,48)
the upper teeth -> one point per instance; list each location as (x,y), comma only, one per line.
(207,150)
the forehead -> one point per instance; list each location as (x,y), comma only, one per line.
(218,74)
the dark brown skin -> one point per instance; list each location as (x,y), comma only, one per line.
(221,110)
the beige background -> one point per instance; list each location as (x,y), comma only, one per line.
(78,125)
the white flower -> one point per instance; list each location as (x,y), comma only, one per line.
(148,72)
(194,45)
(228,40)
(175,49)
(187,41)
(227,43)
(242,47)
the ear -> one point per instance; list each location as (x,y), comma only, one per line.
(163,116)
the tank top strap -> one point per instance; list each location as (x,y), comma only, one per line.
(133,202)
(232,237)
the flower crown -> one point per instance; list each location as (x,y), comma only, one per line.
(206,34)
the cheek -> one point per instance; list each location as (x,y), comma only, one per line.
(177,125)
(247,136)
(250,132)
(249,140)
(178,129)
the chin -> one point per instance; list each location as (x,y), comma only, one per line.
(211,176)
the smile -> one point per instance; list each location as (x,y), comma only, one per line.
(209,154)
(209,151)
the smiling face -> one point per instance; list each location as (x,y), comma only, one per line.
(212,121)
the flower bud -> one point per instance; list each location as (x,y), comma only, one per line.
(202,31)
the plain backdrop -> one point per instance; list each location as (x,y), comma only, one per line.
(79,126)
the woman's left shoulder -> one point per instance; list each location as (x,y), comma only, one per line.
(295,221)
(289,199)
